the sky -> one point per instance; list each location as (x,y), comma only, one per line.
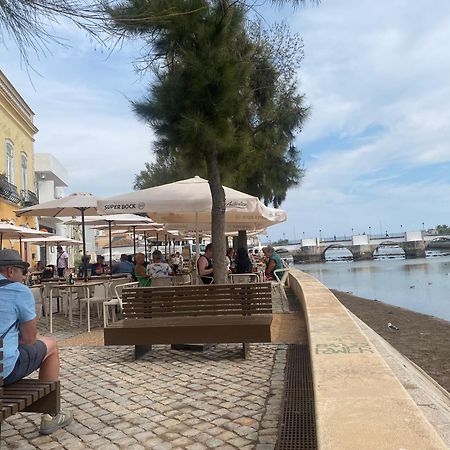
(375,149)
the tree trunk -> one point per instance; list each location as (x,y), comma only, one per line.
(217,217)
(242,238)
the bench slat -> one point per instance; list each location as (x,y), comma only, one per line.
(190,312)
(197,321)
(142,332)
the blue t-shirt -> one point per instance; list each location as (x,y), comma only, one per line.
(123,267)
(16,303)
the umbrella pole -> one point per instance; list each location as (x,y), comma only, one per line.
(20,245)
(157,242)
(1,240)
(83,233)
(197,243)
(145,246)
(165,246)
(134,239)
(110,247)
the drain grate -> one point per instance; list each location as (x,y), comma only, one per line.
(297,428)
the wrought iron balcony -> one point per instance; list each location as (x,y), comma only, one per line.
(8,191)
(28,198)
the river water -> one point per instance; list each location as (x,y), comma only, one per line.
(421,285)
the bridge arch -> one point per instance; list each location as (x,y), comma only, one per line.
(388,244)
(348,254)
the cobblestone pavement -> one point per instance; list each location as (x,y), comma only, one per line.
(62,329)
(168,400)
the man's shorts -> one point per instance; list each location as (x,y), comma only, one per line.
(30,359)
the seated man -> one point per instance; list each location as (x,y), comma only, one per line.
(157,268)
(23,353)
(205,266)
(124,266)
(85,268)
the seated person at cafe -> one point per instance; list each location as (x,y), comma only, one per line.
(124,266)
(230,260)
(85,268)
(205,266)
(242,262)
(99,268)
(23,351)
(48,272)
(139,271)
(157,268)
(273,262)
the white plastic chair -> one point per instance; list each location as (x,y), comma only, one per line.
(38,300)
(243,278)
(100,296)
(200,281)
(161,281)
(115,301)
(282,279)
(180,280)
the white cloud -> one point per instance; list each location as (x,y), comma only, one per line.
(367,65)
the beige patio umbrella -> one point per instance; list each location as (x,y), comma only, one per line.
(113,220)
(151,230)
(81,203)
(188,203)
(53,239)
(8,231)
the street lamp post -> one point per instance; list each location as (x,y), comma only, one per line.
(423,226)
(370,231)
(352,231)
(320,235)
(401,229)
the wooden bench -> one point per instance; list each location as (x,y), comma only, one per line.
(199,314)
(28,395)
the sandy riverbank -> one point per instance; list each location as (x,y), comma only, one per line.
(423,339)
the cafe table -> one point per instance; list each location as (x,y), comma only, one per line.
(69,287)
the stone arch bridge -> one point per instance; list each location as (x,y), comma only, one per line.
(362,247)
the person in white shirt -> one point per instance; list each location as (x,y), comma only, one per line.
(62,261)
(177,262)
(158,268)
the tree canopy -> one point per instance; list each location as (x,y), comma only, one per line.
(268,162)
(443,229)
(28,22)
(219,103)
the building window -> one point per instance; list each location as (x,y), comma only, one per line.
(10,161)
(24,171)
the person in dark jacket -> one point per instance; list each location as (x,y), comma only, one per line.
(242,262)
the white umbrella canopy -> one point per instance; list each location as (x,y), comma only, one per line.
(112,220)
(54,239)
(75,204)
(8,231)
(188,202)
